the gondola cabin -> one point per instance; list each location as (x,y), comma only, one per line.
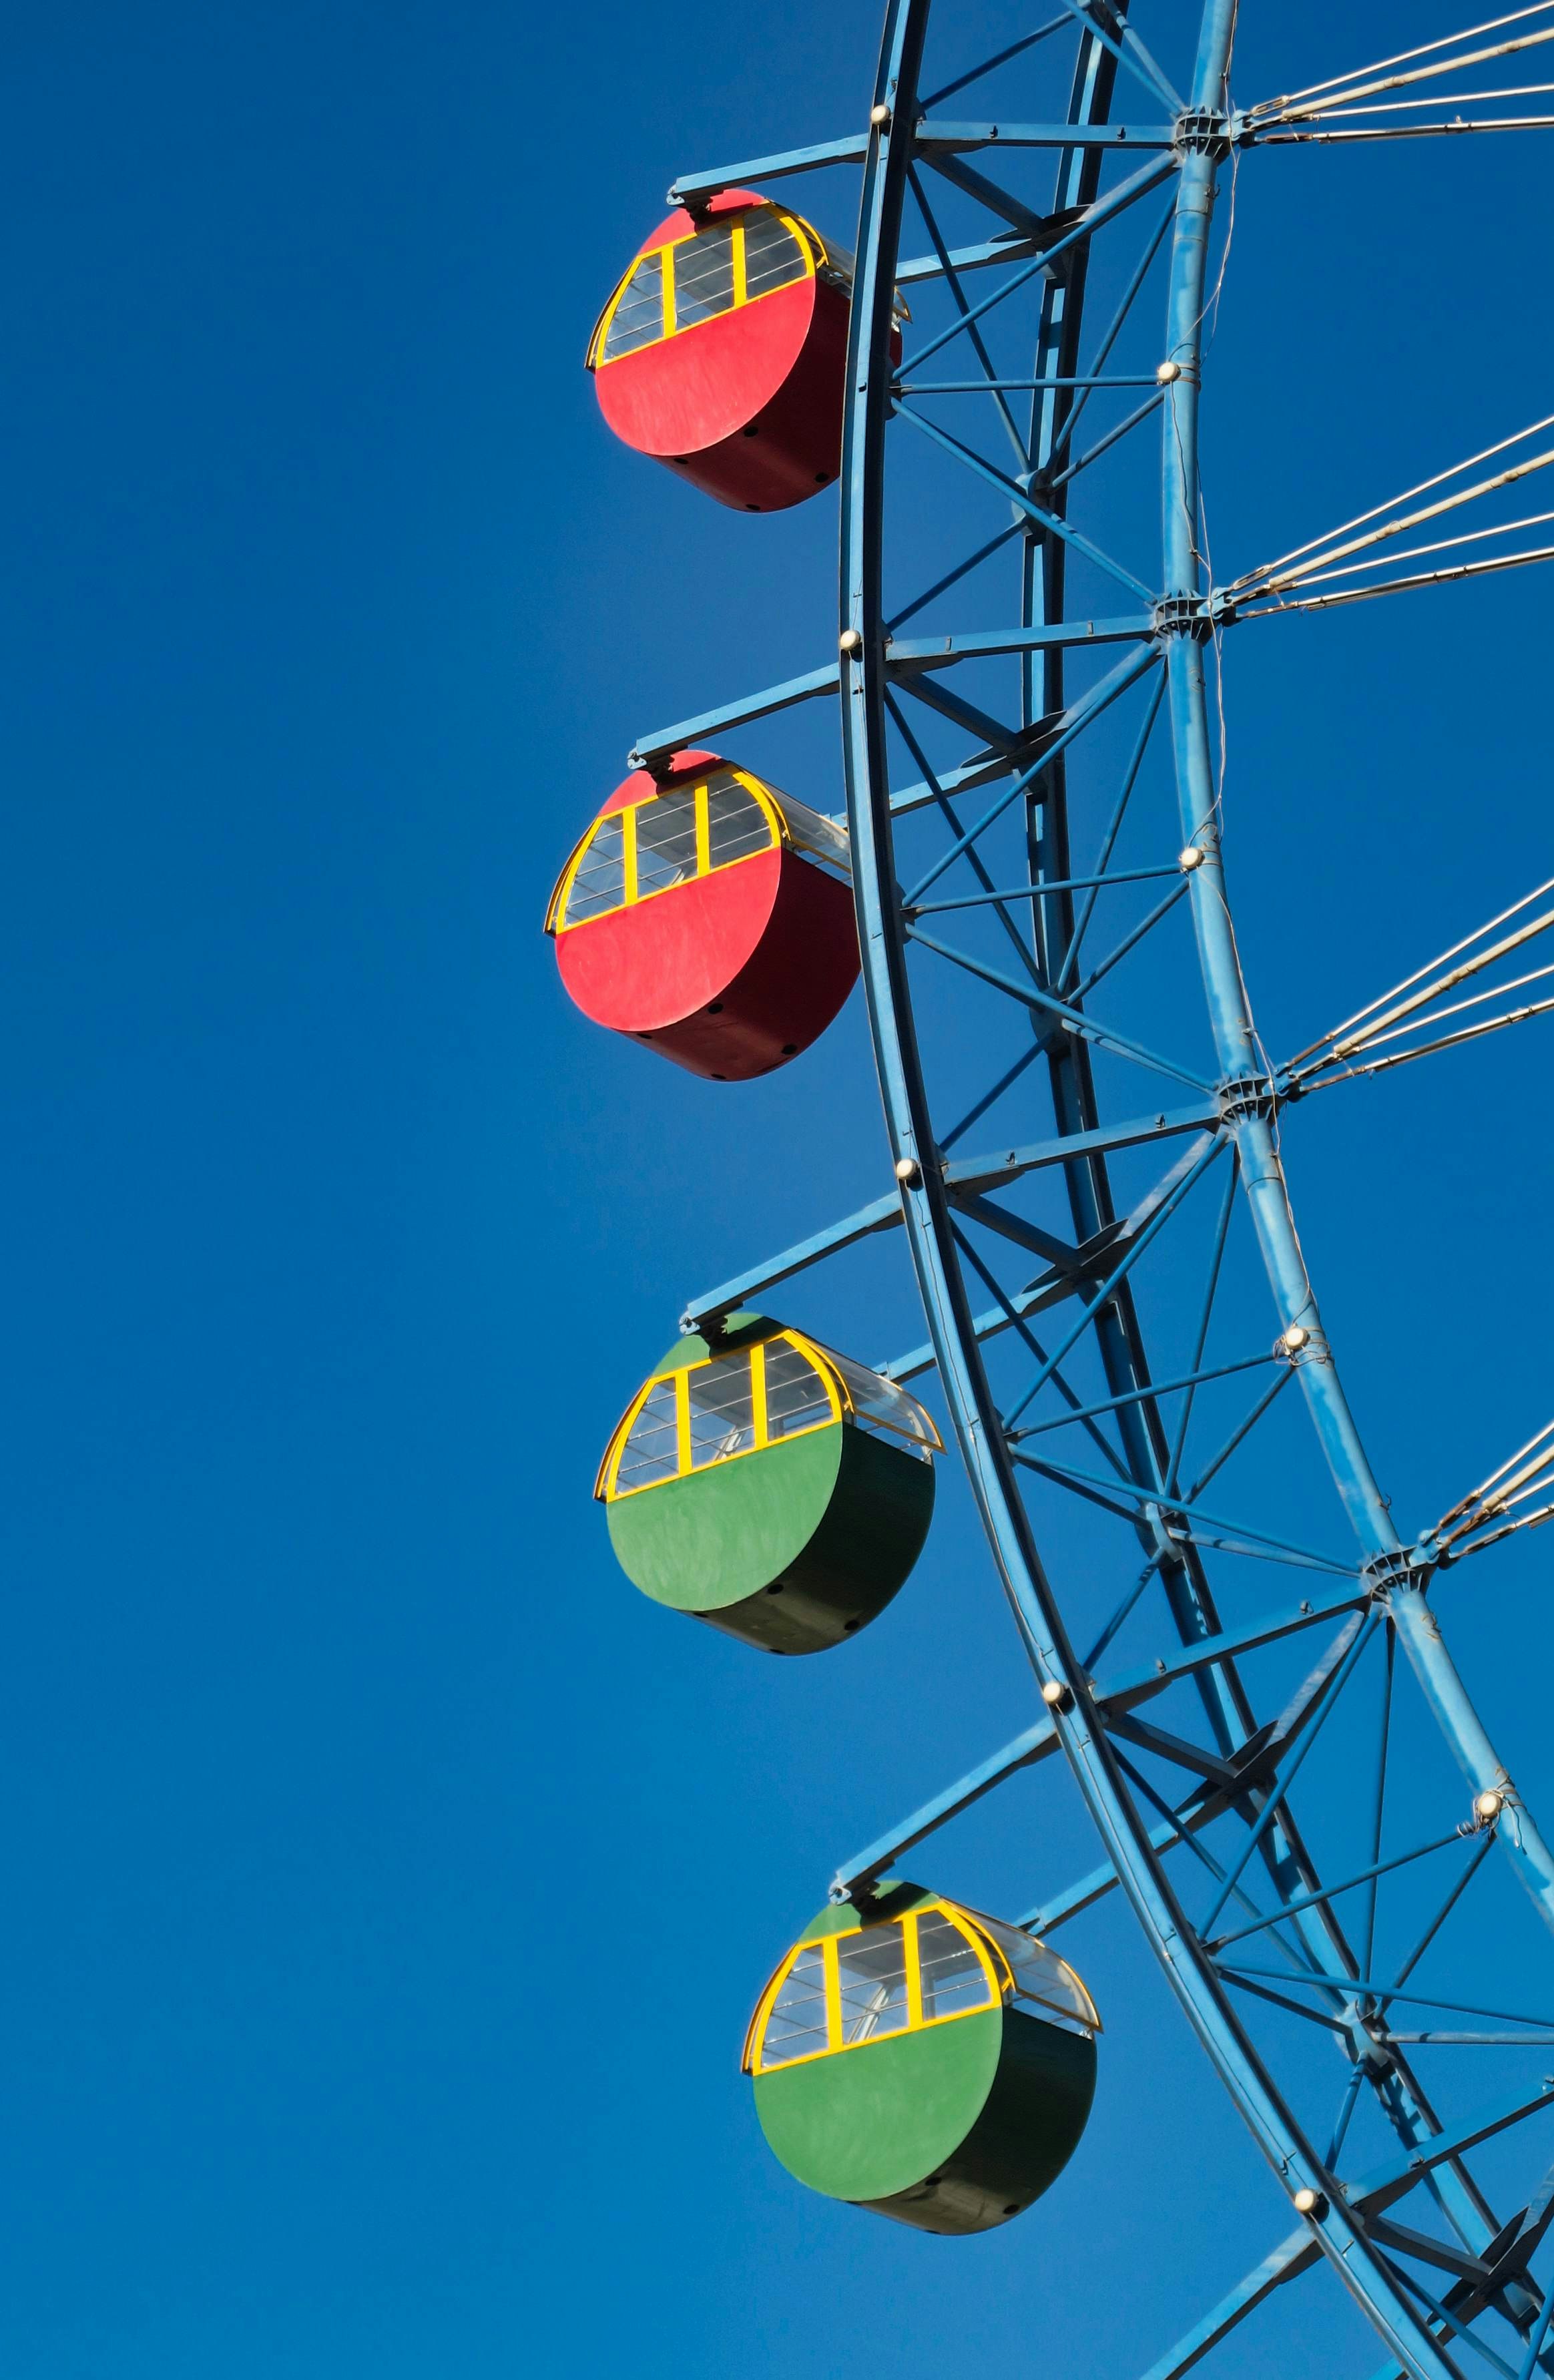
(768,1486)
(722,352)
(710,916)
(920,2059)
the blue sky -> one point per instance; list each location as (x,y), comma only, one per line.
(387,1885)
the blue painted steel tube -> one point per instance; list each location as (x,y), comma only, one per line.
(927,1213)
(1242,1060)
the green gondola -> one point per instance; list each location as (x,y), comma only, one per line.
(924,2062)
(768,1486)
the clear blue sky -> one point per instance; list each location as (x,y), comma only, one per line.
(386,1885)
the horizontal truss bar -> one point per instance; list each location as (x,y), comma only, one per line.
(1151,1390)
(975,644)
(1331,1891)
(991,1172)
(667,740)
(1033,890)
(1134,1686)
(1365,1987)
(852,149)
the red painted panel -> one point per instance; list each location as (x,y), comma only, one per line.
(706,383)
(642,782)
(639,969)
(730,976)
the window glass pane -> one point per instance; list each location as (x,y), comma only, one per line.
(811,831)
(873,1972)
(665,842)
(704,275)
(1040,1974)
(796,2025)
(651,1452)
(878,1405)
(772,256)
(736,824)
(722,1418)
(952,1976)
(795,1394)
(637,320)
(600,882)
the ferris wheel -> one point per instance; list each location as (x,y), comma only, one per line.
(1085,1167)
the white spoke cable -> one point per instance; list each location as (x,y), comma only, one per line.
(1456,1008)
(1400,586)
(1407,495)
(1298,114)
(1293,134)
(1427,1049)
(1437,99)
(1402,58)
(1477,1495)
(1506,478)
(1415,553)
(1442,959)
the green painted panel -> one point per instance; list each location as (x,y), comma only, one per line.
(870,2122)
(793,1549)
(953,2130)
(726,1533)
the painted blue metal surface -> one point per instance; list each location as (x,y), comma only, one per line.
(1169,1835)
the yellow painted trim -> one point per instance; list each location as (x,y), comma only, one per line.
(613,1494)
(751,2062)
(812,248)
(914,1972)
(757,1393)
(999,1975)
(836,1387)
(681,1428)
(833,2000)
(609,1461)
(555,917)
(628,855)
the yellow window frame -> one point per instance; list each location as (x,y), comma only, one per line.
(556,921)
(605,1488)
(994,1968)
(811,247)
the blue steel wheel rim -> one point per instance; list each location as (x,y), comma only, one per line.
(1227,1120)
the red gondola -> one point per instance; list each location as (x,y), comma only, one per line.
(711,917)
(722,352)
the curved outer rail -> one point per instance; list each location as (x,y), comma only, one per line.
(973,1416)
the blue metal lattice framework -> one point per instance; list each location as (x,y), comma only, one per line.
(964,875)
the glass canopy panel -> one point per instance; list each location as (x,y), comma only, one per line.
(665,841)
(723,1409)
(651,1453)
(599,882)
(773,255)
(952,1974)
(736,824)
(637,320)
(704,275)
(796,2024)
(879,1404)
(872,1970)
(795,1394)
(1039,1974)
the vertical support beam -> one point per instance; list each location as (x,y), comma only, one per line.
(927,1213)
(1245,1074)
